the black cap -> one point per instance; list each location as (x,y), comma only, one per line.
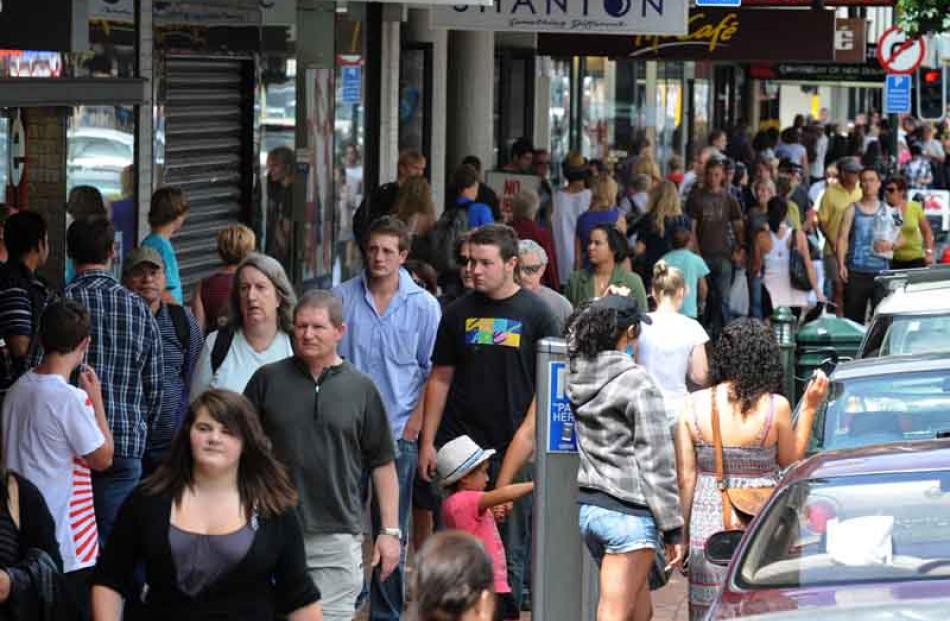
(787,164)
(627,309)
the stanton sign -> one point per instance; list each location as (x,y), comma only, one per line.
(661,17)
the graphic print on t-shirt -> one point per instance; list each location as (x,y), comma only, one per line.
(82,515)
(486,331)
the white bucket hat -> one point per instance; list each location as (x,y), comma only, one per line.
(459,457)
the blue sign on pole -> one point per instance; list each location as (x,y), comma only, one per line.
(561,438)
(725,3)
(352,88)
(897,93)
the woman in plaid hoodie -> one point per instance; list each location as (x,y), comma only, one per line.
(628,496)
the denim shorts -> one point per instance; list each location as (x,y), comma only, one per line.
(611,532)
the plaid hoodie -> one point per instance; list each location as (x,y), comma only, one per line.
(623,437)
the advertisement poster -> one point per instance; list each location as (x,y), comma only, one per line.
(561,438)
(506,185)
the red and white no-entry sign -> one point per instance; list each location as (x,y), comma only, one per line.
(897,53)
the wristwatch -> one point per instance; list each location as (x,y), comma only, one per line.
(392,532)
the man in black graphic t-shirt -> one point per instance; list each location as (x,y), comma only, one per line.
(483,375)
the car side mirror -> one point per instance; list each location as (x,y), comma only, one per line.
(721,546)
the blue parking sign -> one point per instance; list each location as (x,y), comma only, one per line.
(897,93)
(723,3)
(561,438)
(352,88)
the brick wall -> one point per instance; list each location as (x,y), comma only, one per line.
(46,180)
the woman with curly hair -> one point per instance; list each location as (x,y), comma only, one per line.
(758,439)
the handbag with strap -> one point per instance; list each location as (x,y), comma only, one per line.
(797,270)
(739,505)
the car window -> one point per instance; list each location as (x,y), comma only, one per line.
(871,348)
(99,148)
(845,530)
(872,410)
(917,335)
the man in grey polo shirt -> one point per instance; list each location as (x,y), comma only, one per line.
(328,425)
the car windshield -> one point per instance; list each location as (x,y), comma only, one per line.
(908,334)
(869,528)
(878,409)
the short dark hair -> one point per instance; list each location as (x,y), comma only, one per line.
(90,240)
(680,237)
(500,235)
(452,572)
(63,326)
(393,227)
(872,169)
(23,232)
(465,177)
(167,205)
(521,146)
(472,161)
(899,180)
(715,162)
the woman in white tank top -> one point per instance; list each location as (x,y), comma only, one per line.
(772,253)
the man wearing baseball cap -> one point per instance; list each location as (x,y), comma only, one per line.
(834,203)
(143,272)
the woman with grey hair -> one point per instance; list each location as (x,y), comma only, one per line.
(532,261)
(524,206)
(262,303)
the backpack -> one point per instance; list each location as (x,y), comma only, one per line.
(452,224)
(182,329)
(222,343)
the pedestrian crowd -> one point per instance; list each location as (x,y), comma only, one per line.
(217,459)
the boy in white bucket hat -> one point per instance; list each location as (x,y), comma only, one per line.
(462,468)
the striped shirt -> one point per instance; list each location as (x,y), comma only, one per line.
(20,290)
(178,367)
(126,353)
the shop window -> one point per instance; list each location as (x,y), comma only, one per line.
(514,100)
(560,115)
(100,152)
(4,158)
(415,98)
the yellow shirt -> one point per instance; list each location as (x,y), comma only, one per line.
(794,216)
(834,202)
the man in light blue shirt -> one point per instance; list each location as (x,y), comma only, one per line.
(391,327)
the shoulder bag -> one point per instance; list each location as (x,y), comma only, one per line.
(797,270)
(739,505)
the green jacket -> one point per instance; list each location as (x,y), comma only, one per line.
(580,286)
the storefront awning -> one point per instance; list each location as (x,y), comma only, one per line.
(743,35)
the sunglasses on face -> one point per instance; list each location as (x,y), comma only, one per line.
(462,259)
(531,269)
(892,189)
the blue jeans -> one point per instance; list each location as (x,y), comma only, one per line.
(386,598)
(110,489)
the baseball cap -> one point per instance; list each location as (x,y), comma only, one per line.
(459,457)
(849,164)
(790,165)
(627,309)
(142,254)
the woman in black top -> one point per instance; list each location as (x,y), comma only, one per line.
(215,528)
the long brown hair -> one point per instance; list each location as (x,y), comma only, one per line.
(263,483)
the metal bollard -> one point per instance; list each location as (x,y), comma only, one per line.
(564,577)
(783,326)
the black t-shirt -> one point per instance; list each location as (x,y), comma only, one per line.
(491,345)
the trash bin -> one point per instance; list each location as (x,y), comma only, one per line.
(826,338)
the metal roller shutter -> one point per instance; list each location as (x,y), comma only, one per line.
(208,136)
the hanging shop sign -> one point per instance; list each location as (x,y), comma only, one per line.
(574,17)
(36,25)
(717,35)
(819,72)
(850,40)
(811,3)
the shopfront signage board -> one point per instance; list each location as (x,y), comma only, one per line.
(757,35)
(898,53)
(897,93)
(576,17)
(819,72)
(507,185)
(561,435)
(36,25)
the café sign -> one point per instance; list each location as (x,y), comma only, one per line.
(717,35)
(575,17)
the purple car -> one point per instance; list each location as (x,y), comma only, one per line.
(844,528)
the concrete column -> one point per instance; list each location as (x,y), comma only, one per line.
(389,93)
(649,103)
(418,31)
(471,96)
(146,138)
